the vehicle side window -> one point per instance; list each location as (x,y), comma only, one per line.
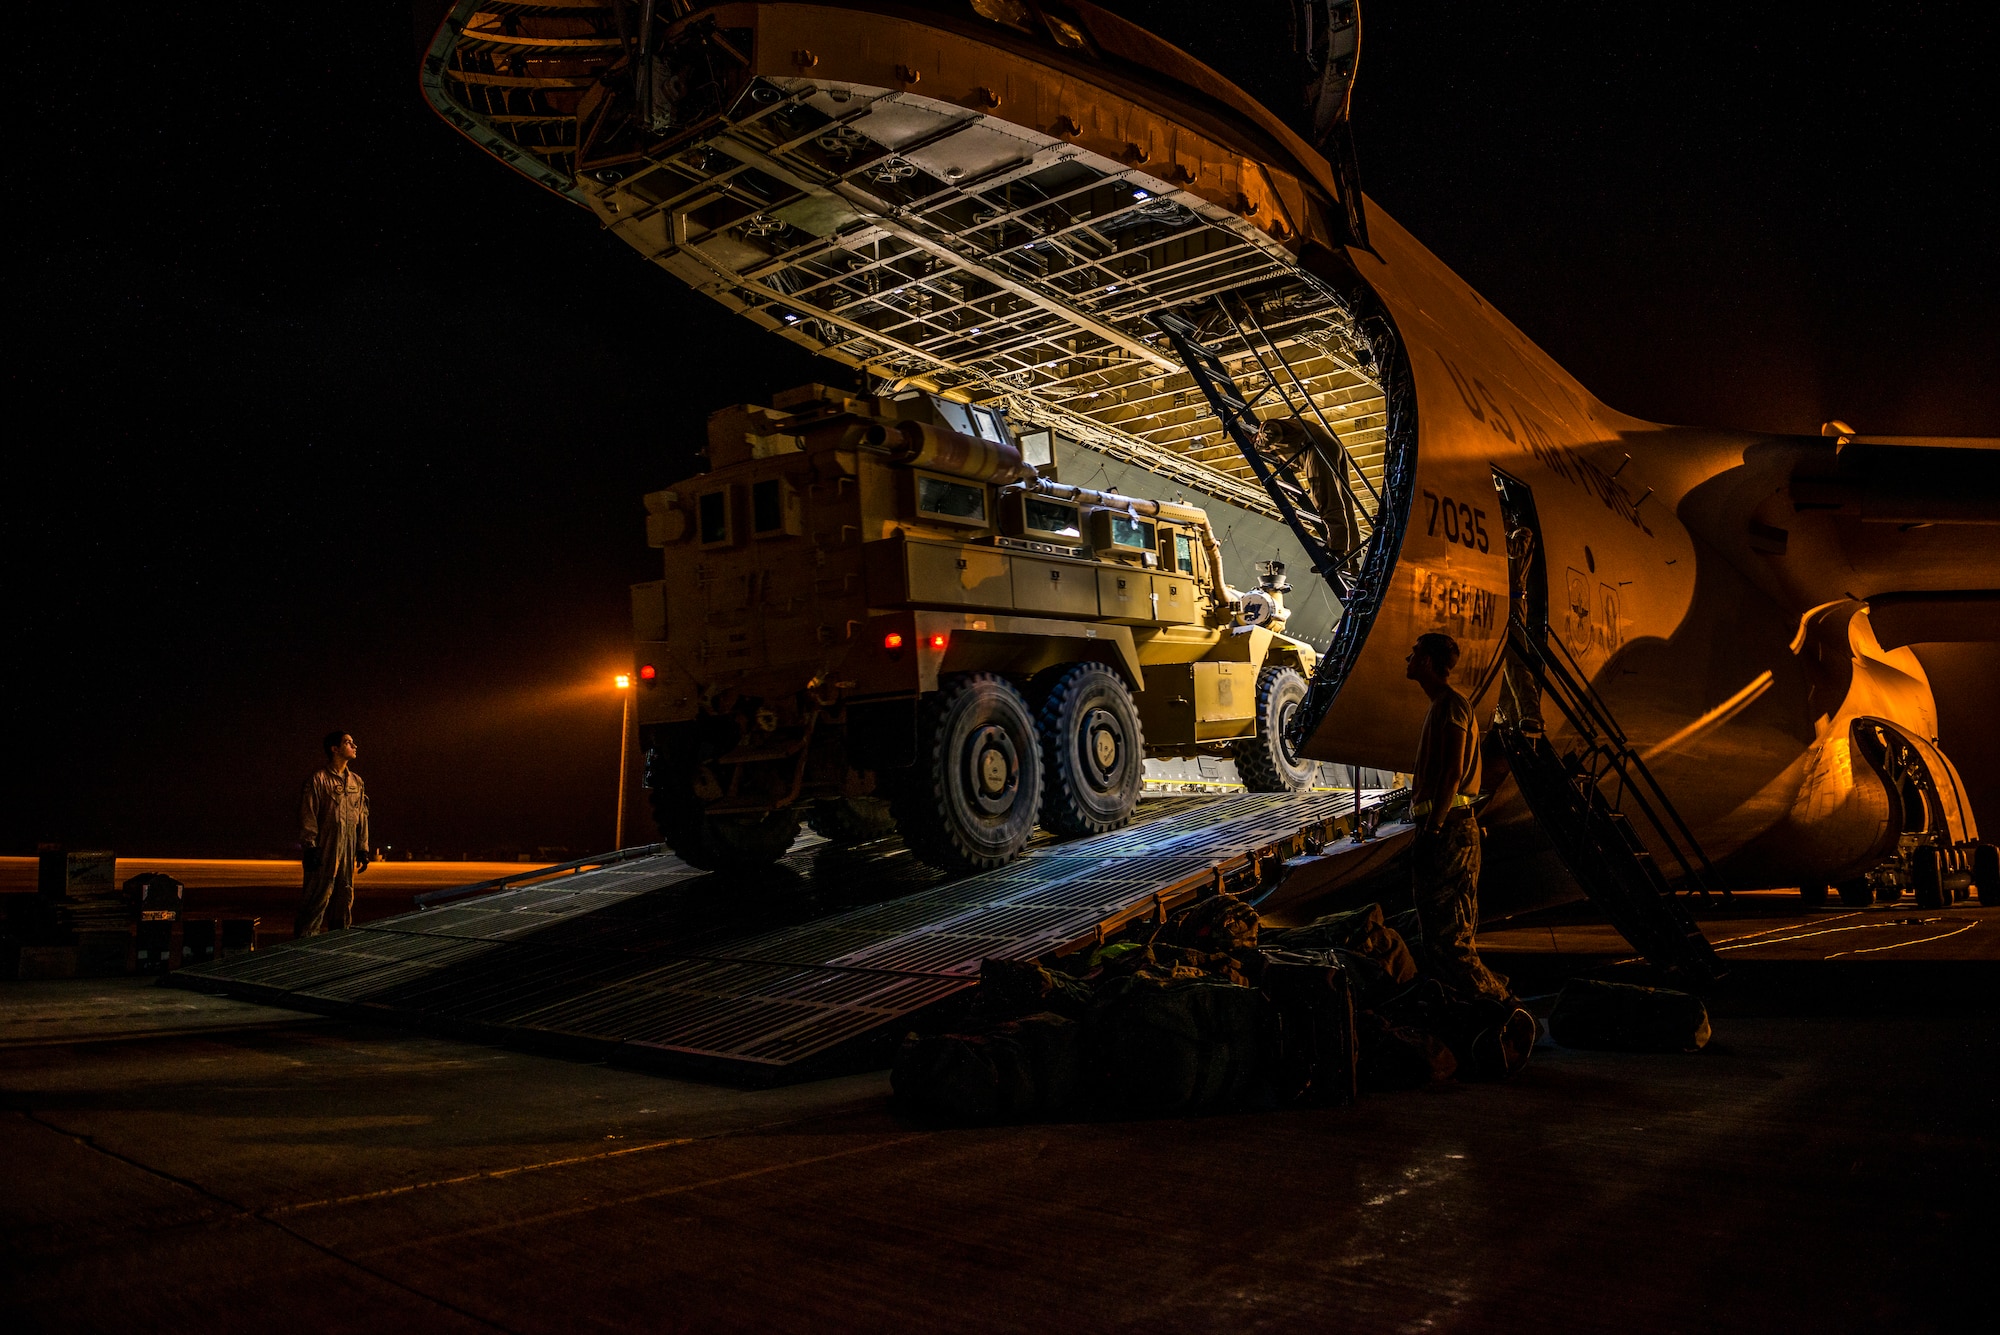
(1129,532)
(954,502)
(714,516)
(1184,553)
(1051,518)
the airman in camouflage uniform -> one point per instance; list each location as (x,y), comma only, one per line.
(1442,787)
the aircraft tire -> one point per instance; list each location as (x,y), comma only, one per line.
(1927,874)
(1986,873)
(1814,894)
(1855,893)
(969,803)
(1093,751)
(1265,762)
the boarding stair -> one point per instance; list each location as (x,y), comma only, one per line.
(1584,798)
(1580,797)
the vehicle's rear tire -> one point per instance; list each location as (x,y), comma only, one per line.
(1927,876)
(1856,893)
(852,820)
(1266,762)
(1093,751)
(713,843)
(1986,873)
(970,801)
(1814,894)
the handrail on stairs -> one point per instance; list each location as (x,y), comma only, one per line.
(1588,714)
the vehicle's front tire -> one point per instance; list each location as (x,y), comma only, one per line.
(1093,751)
(970,801)
(1266,762)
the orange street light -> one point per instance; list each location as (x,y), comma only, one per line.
(624,683)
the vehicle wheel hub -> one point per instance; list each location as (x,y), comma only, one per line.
(996,770)
(1102,731)
(1284,730)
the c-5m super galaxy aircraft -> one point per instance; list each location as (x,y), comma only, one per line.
(1039,205)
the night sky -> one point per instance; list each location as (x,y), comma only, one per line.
(325,419)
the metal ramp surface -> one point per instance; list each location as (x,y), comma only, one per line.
(637,961)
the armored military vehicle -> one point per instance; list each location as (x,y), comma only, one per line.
(876,610)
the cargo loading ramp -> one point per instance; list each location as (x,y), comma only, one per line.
(633,961)
(997,249)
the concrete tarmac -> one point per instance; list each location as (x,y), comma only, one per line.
(268,888)
(182,1162)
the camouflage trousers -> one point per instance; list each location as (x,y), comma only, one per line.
(1447,901)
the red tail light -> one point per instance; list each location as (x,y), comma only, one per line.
(939,641)
(893,640)
(646,672)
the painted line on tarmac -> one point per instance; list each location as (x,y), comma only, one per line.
(1898,945)
(1752,936)
(148,1035)
(678,1190)
(239,1211)
(1851,927)
(488,1175)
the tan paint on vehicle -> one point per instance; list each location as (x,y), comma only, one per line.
(820,563)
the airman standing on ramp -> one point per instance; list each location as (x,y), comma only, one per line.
(333,838)
(1442,788)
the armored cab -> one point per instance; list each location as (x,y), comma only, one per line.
(877,610)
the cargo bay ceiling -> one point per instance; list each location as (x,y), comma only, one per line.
(1008,241)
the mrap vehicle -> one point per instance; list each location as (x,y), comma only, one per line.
(875,609)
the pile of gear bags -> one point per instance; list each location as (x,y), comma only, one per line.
(1201,1013)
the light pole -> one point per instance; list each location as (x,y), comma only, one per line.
(624,683)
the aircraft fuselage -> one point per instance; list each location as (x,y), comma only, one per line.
(993,200)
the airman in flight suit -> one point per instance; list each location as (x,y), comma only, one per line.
(333,838)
